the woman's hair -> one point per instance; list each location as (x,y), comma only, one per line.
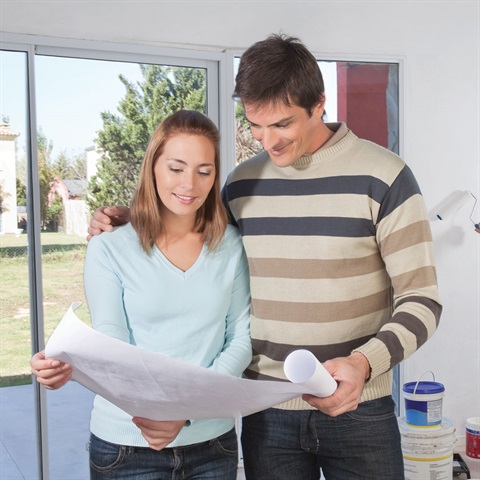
(279,68)
(146,219)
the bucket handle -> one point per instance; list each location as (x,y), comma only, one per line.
(418,381)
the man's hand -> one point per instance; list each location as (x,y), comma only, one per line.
(350,373)
(158,434)
(51,373)
(105,218)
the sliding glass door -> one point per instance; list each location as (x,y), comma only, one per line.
(75,125)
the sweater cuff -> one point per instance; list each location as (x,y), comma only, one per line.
(377,355)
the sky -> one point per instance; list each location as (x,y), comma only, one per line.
(71,93)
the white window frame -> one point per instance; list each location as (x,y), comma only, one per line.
(328,57)
(217,109)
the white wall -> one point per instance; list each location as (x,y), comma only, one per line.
(438,42)
(8,219)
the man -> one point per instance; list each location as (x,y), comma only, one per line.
(340,256)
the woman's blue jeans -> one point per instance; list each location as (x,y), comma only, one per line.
(215,459)
(296,444)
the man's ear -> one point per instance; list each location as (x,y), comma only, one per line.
(319,108)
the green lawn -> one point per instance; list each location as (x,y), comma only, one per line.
(62,278)
(48,238)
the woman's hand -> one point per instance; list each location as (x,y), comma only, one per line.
(51,373)
(158,434)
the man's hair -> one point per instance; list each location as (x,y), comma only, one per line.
(211,217)
(279,68)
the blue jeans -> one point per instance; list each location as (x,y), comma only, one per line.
(215,459)
(296,444)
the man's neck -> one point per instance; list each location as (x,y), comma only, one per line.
(324,135)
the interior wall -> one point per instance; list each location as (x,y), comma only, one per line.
(438,44)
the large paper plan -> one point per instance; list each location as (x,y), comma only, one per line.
(154,386)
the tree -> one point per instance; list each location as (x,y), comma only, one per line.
(125,136)
(78,167)
(45,173)
(46,178)
(245,145)
(61,166)
(54,211)
(21,193)
(65,167)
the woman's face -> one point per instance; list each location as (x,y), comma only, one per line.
(184,174)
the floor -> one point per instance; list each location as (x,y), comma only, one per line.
(68,419)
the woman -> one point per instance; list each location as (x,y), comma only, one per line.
(175,281)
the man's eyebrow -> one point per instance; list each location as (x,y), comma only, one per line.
(282,120)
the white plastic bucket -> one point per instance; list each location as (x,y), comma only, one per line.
(428,453)
(423,403)
(473,438)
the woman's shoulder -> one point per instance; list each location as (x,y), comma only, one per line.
(232,235)
(231,245)
(121,237)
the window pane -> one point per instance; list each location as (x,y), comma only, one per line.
(364,95)
(367,101)
(94,121)
(245,145)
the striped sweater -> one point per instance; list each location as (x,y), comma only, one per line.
(340,256)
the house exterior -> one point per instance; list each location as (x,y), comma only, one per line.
(76,213)
(8,217)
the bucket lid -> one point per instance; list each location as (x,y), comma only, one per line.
(447,427)
(423,388)
(473,423)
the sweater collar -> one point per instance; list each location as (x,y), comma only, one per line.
(341,138)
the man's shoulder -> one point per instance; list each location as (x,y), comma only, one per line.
(250,168)
(376,156)
(377,149)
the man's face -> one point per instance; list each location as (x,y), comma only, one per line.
(286,132)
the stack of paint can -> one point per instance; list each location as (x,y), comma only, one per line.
(428,438)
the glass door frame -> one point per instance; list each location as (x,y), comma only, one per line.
(398,373)
(212,62)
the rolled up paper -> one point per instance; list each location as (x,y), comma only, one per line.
(301,366)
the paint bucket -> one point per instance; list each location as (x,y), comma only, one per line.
(428,453)
(423,403)
(473,438)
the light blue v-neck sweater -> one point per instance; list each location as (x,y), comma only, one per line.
(199,316)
